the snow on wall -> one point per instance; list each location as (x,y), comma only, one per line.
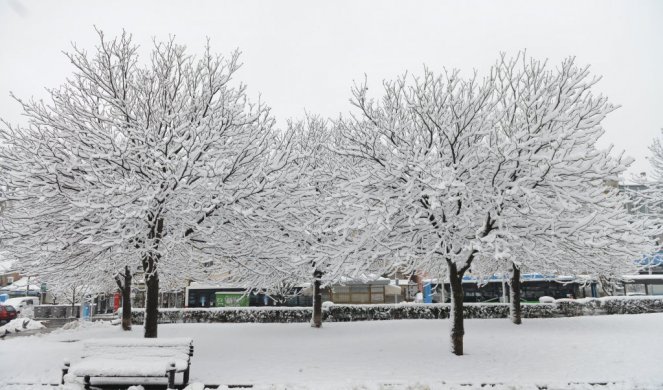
(345,313)
(19,325)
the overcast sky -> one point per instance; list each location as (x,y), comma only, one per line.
(304,55)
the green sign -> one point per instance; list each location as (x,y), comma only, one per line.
(231,299)
(43,287)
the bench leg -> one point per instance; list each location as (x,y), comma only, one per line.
(185,381)
(65,370)
(86,380)
(171,376)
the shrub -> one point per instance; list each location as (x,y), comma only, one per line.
(408,311)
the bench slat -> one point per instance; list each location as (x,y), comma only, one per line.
(129,352)
(157,343)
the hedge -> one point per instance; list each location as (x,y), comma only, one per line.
(345,313)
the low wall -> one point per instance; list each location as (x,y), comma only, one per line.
(56,311)
(345,313)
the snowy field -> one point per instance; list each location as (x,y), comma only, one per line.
(623,351)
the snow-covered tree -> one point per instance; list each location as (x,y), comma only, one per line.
(654,197)
(151,160)
(307,219)
(557,212)
(656,158)
(656,203)
(311,221)
(425,158)
(646,197)
(71,273)
(326,248)
(477,172)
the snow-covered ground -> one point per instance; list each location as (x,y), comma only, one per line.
(623,350)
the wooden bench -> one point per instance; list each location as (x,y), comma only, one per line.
(110,360)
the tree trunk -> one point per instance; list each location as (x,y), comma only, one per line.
(151,304)
(126,300)
(150,262)
(456,314)
(514,296)
(316,321)
(124,283)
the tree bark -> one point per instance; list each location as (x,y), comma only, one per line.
(150,261)
(126,300)
(151,304)
(316,321)
(456,314)
(125,288)
(515,308)
(73,304)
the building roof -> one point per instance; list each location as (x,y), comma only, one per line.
(643,278)
(22,285)
(6,266)
(364,279)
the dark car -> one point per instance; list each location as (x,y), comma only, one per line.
(7,313)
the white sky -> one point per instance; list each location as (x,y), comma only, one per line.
(305,55)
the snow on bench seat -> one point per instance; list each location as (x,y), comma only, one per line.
(133,358)
(130,367)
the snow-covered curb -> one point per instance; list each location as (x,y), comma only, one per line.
(344,313)
(418,386)
(442,386)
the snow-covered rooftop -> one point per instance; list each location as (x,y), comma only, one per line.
(643,277)
(364,279)
(21,285)
(6,266)
(208,285)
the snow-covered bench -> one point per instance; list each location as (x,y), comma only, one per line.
(114,361)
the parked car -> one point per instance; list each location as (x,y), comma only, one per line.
(7,313)
(23,304)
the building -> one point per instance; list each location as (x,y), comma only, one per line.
(8,274)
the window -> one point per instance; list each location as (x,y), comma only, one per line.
(359,294)
(342,298)
(359,298)
(377,294)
